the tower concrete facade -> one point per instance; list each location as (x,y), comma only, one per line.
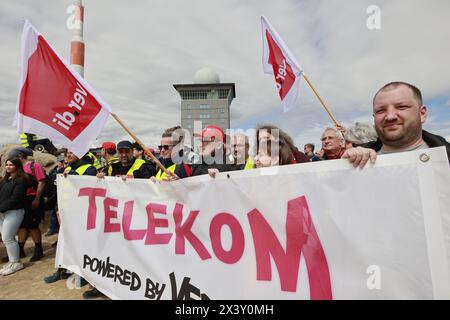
(206,100)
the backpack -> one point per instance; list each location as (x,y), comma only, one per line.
(31,181)
(49,188)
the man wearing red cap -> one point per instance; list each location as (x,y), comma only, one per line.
(109,154)
(212,153)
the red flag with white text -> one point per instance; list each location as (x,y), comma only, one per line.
(54,100)
(279,61)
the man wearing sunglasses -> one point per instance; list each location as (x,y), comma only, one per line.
(170,157)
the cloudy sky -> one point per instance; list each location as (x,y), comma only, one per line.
(136,50)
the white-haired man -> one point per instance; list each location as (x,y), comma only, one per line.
(358,134)
(333,144)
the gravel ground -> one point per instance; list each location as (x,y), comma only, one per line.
(28,283)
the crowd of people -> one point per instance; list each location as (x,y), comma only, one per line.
(398,113)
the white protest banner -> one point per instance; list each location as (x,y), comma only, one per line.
(319,230)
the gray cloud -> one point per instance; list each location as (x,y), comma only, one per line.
(136,50)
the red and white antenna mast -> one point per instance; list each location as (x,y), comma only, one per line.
(77,43)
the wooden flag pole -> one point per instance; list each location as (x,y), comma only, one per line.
(148,152)
(321,100)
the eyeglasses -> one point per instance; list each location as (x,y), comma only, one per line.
(165,147)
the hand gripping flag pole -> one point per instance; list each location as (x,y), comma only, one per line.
(279,61)
(146,150)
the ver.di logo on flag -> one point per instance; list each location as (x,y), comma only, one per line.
(59,101)
(279,61)
(54,101)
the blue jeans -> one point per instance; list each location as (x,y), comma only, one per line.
(9,225)
(54,225)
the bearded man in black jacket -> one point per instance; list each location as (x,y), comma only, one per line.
(399,114)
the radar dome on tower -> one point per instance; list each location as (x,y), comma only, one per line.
(206,75)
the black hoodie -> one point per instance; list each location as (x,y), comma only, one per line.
(13,194)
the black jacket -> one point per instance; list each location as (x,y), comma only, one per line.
(13,194)
(431,140)
(202,168)
(144,172)
(91,171)
(181,170)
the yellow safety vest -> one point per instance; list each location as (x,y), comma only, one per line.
(136,166)
(161,175)
(249,164)
(24,139)
(96,163)
(80,170)
(110,162)
(113,160)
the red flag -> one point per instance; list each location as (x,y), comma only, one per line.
(279,61)
(54,100)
